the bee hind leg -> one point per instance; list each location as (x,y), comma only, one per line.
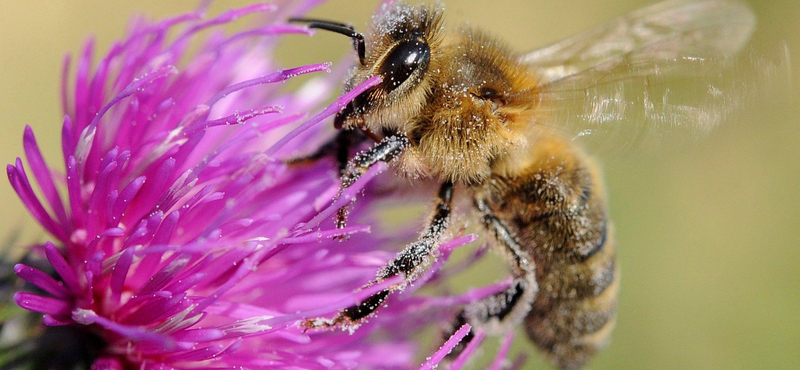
(503,311)
(410,263)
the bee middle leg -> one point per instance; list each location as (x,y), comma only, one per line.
(410,263)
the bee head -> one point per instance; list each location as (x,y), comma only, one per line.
(479,110)
(401,47)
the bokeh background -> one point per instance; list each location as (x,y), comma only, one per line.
(708,235)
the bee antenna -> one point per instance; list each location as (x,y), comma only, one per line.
(340,28)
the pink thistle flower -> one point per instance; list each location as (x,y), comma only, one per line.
(182,240)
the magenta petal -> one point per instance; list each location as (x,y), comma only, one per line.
(119,274)
(41,280)
(347,301)
(134,333)
(182,284)
(336,106)
(500,360)
(19,181)
(63,269)
(43,176)
(112,232)
(74,190)
(136,85)
(199,335)
(322,235)
(446,348)
(228,16)
(156,309)
(100,198)
(67,139)
(46,305)
(52,321)
(279,76)
(93,266)
(125,197)
(201,354)
(226,262)
(468,351)
(166,228)
(347,196)
(153,188)
(234,119)
(163,276)
(472,294)
(272,30)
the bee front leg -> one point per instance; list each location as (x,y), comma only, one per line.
(384,151)
(410,263)
(339,146)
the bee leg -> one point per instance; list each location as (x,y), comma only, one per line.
(384,151)
(501,312)
(410,263)
(339,146)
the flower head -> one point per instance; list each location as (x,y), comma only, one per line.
(182,239)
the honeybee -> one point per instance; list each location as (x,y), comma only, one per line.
(500,128)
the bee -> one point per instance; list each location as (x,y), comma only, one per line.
(501,129)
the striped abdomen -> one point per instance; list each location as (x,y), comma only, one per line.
(556,207)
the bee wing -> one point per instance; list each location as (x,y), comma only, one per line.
(663,68)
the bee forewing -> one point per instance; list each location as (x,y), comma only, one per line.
(665,31)
(665,68)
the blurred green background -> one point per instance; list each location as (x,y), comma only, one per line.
(708,236)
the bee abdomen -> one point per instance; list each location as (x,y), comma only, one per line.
(556,208)
(571,279)
(574,312)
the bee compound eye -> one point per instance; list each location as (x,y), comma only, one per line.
(488,93)
(408,56)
